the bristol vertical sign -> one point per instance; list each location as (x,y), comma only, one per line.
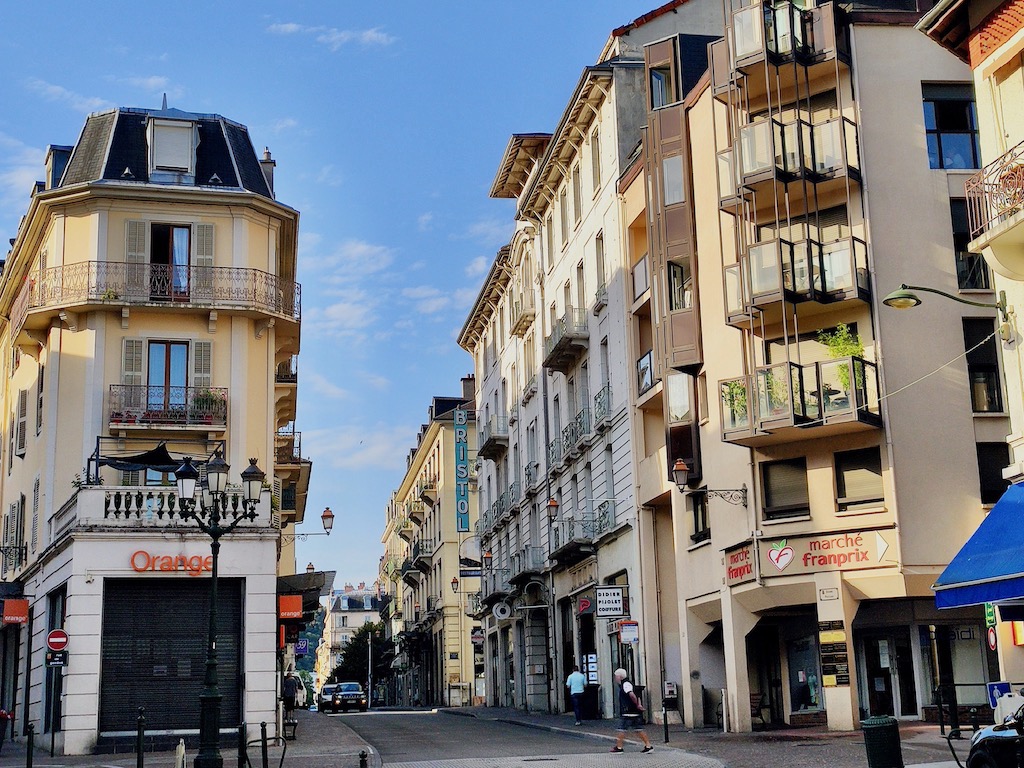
(461,470)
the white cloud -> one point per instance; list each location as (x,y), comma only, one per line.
(489,232)
(151,83)
(324,386)
(428,300)
(421,292)
(329,176)
(463,298)
(477,266)
(289,28)
(424,221)
(20,167)
(350,260)
(359,446)
(58,93)
(376,381)
(284,124)
(335,38)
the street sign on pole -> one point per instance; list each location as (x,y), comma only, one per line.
(57,640)
(56,658)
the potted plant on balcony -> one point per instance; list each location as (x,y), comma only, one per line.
(842,342)
(734,398)
(207,404)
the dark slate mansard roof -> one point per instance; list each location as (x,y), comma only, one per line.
(115,140)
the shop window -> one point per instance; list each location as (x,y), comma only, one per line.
(785,488)
(859,479)
(804,686)
(992,459)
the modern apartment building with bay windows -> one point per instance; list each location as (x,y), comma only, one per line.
(149,312)
(838,452)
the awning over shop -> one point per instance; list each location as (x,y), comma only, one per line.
(311,586)
(989,568)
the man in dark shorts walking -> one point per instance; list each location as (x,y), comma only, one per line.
(290,689)
(631,711)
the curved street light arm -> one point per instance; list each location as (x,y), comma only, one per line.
(1000,305)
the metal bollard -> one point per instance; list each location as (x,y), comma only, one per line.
(31,745)
(140,737)
(664,718)
(362,758)
(241,744)
(263,744)
(974,718)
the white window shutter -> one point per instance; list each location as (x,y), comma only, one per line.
(22,421)
(135,251)
(136,256)
(35,515)
(202,364)
(133,355)
(204,245)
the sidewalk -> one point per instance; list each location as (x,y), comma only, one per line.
(795,748)
(320,743)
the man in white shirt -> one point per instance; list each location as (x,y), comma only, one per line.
(576,683)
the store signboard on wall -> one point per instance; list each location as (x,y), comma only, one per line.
(739,564)
(835,658)
(461,470)
(843,551)
(612,602)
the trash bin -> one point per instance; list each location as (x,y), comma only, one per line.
(882,742)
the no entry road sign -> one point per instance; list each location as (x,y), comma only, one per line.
(57,640)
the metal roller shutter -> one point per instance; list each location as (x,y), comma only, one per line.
(154,652)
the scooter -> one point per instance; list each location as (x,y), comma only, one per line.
(995,746)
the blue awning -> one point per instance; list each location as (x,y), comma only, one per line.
(990,566)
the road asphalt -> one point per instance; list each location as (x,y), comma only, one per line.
(330,742)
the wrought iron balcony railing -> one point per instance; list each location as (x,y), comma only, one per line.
(144,404)
(122,283)
(997,192)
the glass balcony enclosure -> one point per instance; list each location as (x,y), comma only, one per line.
(781,395)
(771,145)
(844,269)
(735,400)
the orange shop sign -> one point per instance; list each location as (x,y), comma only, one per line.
(15,611)
(289,606)
(142,561)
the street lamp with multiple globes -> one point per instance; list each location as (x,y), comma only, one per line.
(217,514)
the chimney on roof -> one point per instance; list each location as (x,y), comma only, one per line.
(348,588)
(469,387)
(268,164)
(362,585)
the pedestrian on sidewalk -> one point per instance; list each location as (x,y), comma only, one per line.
(631,711)
(290,689)
(576,682)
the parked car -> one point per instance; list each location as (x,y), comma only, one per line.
(327,697)
(346,696)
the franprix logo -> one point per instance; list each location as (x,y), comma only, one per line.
(781,554)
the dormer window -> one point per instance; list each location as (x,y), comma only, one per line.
(172,146)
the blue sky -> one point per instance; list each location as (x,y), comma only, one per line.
(387,121)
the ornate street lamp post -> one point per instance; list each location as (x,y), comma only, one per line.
(217,515)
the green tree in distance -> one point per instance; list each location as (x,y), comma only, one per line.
(354,659)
